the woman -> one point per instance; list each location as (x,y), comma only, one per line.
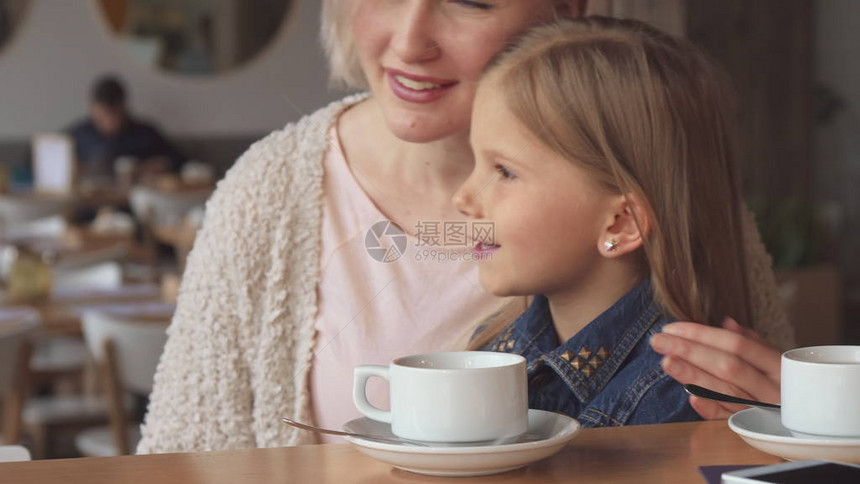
(281,295)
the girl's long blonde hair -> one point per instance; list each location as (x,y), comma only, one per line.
(647,115)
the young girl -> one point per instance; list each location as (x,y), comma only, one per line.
(605,164)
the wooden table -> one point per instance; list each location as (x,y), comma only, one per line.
(61,312)
(88,197)
(75,248)
(667,453)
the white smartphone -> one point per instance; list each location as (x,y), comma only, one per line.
(800,472)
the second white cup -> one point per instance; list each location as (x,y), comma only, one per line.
(821,391)
(465,396)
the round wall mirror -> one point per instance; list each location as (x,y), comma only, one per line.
(11,15)
(195,37)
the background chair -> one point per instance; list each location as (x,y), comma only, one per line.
(66,356)
(126,353)
(14,355)
(62,362)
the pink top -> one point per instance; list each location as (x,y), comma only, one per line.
(371,312)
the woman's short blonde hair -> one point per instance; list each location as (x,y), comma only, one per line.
(344,68)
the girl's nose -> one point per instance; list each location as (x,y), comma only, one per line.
(414,39)
(464,201)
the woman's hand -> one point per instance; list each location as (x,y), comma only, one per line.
(732,360)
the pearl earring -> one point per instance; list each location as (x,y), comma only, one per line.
(610,245)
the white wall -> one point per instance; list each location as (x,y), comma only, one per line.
(47,68)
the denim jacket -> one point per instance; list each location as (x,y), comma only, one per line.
(605,375)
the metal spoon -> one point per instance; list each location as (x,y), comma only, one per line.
(701,392)
(375,438)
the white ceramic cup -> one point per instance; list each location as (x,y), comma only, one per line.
(821,391)
(465,396)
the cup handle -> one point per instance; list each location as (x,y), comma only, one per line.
(359,391)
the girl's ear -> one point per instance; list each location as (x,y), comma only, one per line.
(627,229)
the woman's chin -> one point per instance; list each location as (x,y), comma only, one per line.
(417,132)
(422,127)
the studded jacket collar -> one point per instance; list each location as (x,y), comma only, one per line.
(606,374)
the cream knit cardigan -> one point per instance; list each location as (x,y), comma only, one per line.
(241,342)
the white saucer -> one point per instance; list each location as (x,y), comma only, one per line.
(548,432)
(763,430)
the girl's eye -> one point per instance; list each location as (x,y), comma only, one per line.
(505,173)
(473,4)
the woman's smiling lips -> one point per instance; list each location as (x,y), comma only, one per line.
(417,89)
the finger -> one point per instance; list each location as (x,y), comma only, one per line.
(762,357)
(733,325)
(724,366)
(686,373)
(709,409)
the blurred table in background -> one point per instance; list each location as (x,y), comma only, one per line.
(75,247)
(61,312)
(90,198)
(167,204)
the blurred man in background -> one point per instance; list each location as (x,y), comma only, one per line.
(111,133)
